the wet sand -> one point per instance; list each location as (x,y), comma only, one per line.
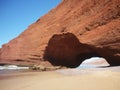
(67,79)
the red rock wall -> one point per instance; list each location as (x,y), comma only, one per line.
(95,23)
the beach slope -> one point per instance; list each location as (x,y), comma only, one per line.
(69,79)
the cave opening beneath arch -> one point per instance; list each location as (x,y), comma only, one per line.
(66,50)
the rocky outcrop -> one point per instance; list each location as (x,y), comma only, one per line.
(94,30)
(66,50)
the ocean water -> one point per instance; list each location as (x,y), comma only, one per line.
(12,67)
(6,69)
(87,66)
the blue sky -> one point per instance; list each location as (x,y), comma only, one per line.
(17,15)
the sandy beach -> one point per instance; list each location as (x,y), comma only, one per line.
(67,79)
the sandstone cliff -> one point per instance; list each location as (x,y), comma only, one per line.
(68,34)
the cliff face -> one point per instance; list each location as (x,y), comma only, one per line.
(94,30)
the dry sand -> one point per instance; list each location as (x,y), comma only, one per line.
(70,79)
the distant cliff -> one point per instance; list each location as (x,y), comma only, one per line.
(73,31)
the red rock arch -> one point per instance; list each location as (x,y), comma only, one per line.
(66,50)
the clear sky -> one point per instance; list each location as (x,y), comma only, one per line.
(17,15)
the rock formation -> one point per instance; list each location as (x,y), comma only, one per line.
(66,50)
(68,34)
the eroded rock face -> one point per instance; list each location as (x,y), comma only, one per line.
(66,50)
(94,24)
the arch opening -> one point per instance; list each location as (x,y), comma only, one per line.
(94,62)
